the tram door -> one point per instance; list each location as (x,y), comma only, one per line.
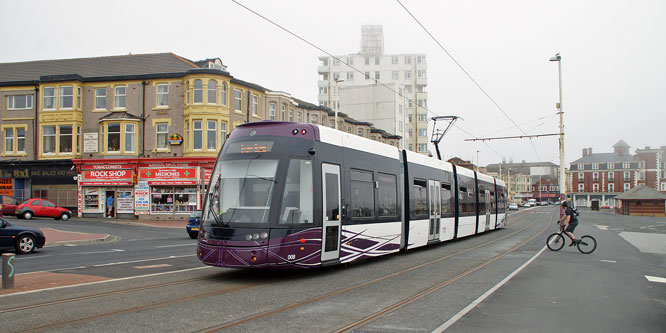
(435,209)
(331,222)
(488,207)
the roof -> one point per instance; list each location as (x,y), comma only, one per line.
(118,116)
(135,64)
(621,143)
(605,157)
(642,192)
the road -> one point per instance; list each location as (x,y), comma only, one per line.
(499,281)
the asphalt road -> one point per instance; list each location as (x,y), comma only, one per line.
(446,286)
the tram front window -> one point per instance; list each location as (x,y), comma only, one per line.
(242,192)
(297,197)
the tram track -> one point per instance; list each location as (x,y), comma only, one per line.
(394,307)
(214,293)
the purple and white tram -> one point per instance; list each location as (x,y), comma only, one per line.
(292,195)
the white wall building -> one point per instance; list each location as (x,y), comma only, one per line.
(357,92)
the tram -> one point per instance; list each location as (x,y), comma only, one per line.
(293,195)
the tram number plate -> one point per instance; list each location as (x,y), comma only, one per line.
(291,257)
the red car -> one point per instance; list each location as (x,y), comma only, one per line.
(8,205)
(42,208)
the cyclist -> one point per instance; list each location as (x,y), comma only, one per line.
(568,222)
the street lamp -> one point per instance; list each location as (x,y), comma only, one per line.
(337,94)
(558,58)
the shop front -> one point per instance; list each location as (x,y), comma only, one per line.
(107,190)
(173,189)
(53,180)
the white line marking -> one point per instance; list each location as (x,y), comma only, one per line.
(610,261)
(481,298)
(142,260)
(602,227)
(159,247)
(655,279)
(105,281)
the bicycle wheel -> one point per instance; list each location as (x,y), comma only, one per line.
(555,241)
(587,244)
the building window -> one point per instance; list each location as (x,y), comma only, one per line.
(626,165)
(595,166)
(314,119)
(642,175)
(394,60)
(611,187)
(360,132)
(395,75)
(113,137)
(423,132)
(408,59)
(65,136)
(350,61)
(580,166)
(162,95)
(224,93)
(595,187)
(66,97)
(255,105)
(420,74)
(376,60)
(211,135)
(212,92)
(581,187)
(120,98)
(19,102)
(611,176)
(376,75)
(271,111)
(350,76)
(421,59)
(299,117)
(422,147)
(611,166)
(283,109)
(198,91)
(581,176)
(162,135)
(197,135)
(48,139)
(367,60)
(49,98)
(627,187)
(223,133)
(408,74)
(291,115)
(130,138)
(100,98)
(9,140)
(627,176)
(367,75)
(595,176)
(238,97)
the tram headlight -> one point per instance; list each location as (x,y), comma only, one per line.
(248,237)
(295,131)
(255,236)
(264,235)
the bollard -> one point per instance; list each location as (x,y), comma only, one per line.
(8,271)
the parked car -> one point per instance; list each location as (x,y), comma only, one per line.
(19,238)
(513,206)
(42,208)
(193,224)
(8,205)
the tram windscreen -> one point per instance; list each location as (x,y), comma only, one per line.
(242,191)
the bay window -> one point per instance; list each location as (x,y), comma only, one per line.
(198,91)
(49,98)
(65,139)
(113,137)
(130,138)
(212,92)
(49,139)
(66,97)
(211,135)
(197,135)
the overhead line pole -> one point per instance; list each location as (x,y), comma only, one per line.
(562,185)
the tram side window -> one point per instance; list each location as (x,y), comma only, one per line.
(388,197)
(419,202)
(362,203)
(297,197)
(462,201)
(471,202)
(482,201)
(493,206)
(446,200)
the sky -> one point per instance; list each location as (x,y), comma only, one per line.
(613,58)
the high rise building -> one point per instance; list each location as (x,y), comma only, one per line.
(387,90)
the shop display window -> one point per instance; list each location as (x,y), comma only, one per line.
(91,200)
(170,199)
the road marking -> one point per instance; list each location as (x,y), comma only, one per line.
(481,298)
(602,227)
(163,246)
(142,260)
(655,279)
(152,266)
(105,281)
(610,261)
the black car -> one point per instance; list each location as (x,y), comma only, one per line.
(193,224)
(20,238)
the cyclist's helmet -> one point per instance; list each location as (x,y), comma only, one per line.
(564,203)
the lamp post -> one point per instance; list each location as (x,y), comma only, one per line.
(558,58)
(337,95)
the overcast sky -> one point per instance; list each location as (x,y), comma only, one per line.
(613,57)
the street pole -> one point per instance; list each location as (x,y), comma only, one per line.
(558,58)
(337,97)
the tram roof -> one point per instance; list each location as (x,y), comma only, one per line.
(348,140)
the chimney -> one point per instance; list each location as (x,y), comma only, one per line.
(584,152)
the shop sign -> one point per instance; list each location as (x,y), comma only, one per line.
(15,172)
(169,176)
(106,166)
(175,139)
(168,165)
(207,173)
(90,142)
(107,177)
(124,200)
(142,198)
(6,186)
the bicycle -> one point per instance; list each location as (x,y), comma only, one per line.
(586,244)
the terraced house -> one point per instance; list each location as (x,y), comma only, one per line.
(144,129)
